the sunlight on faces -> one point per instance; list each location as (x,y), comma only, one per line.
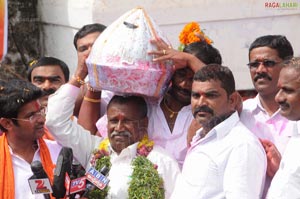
(288,97)
(124,126)
(264,78)
(210,101)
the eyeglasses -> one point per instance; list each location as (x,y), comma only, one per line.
(33,117)
(266,63)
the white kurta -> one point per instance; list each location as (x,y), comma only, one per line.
(286,182)
(22,171)
(229,162)
(60,108)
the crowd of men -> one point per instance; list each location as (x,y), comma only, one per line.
(208,143)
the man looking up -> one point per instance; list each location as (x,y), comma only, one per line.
(286,182)
(223,154)
(22,120)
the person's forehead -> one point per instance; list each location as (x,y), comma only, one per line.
(48,70)
(126,110)
(289,75)
(261,53)
(89,38)
(207,85)
(31,106)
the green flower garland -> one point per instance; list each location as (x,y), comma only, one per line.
(145,182)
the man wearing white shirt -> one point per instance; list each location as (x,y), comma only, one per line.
(261,114)
(127,125)
(22,119)
(225,159)
(286,182)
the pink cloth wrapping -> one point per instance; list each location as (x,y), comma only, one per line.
(119,59)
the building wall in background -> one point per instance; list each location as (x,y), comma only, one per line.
(231,24)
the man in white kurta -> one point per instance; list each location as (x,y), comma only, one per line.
(72,135)
(286,182)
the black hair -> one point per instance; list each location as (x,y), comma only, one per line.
(138,101)
(48,61)
(14,94)
(277,42)
(218,73)
(205,52)
(88,29)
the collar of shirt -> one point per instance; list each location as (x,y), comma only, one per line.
(254,104)
(219,131)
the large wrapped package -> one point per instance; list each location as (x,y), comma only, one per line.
(119,60)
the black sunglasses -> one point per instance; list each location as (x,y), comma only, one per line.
(266,63)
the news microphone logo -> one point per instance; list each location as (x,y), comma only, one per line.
(97,178)
(78,185)
(39,183)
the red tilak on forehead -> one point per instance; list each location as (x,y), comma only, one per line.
(120,116)
(37,104)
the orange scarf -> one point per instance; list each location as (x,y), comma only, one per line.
(7,188)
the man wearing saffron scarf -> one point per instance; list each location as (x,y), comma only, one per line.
(127,126)
(22,120)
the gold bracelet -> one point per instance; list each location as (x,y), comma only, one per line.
(89,88)
(91,99)
(79,80)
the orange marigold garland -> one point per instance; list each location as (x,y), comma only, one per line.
(192,33)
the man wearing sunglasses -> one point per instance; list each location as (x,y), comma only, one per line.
(22,120)
(261,114)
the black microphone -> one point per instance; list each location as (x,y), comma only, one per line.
(39,173)
(63,166)
(90,187)
(77,170)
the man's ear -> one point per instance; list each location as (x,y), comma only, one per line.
(236,102)
(6,123)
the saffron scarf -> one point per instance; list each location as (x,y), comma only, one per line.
(7,188)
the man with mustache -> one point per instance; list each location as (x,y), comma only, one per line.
(286,182)
(225,159)
(48,73)
(127,126)
(261,114)
(170,119)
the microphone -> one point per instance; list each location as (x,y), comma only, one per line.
(63,166)
(39,182)
(77,180)
(91,176)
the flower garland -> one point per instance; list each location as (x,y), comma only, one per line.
(192,33)
(145,181)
